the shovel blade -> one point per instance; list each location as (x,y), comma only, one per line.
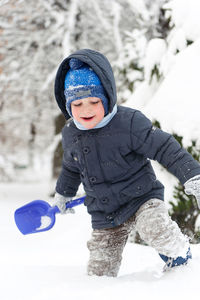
(35,216)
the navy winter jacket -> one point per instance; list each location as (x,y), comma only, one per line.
(113,162)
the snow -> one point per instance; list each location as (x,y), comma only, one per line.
(185,15)
(155,50)
(175,102)
(45,222)
(52,265)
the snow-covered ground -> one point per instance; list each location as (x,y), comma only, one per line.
(52,265)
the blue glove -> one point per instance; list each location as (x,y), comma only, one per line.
(192,187)
(60,201)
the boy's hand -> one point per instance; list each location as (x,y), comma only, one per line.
(192,187)
(60,201)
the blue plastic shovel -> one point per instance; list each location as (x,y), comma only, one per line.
(39,215)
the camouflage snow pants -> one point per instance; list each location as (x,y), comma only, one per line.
(154,226)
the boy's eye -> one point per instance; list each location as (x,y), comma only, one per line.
(76,104)
(95,102)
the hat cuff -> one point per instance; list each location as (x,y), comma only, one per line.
(82,92)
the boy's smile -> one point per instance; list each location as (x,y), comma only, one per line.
(88,111)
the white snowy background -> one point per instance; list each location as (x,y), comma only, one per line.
(52,265)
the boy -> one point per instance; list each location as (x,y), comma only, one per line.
(108,148)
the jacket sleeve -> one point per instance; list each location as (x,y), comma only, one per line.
(68,180)
(158,145)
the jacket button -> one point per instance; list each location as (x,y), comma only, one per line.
(86,150)
(104,200)
(93,179)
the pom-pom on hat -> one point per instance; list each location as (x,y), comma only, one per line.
(82,82)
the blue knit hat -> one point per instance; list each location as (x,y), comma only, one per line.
(82,82)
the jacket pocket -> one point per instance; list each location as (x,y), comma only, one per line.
(137,188)
(88,200)
(91,204)
(104,204)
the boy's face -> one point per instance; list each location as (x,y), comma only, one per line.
(88,111)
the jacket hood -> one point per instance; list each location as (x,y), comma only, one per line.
(101,66)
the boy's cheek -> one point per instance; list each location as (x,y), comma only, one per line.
(74,111)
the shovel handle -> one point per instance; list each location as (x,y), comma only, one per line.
(75,202)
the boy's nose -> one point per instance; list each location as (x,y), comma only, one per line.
(87,109)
